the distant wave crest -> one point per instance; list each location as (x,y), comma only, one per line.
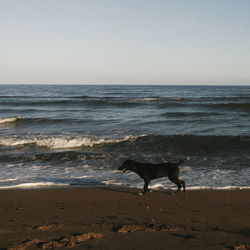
(6,120)
(147,99)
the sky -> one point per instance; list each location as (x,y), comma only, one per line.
(125,41)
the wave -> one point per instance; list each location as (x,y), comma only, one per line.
(51,156)
(222,98)
(147,99)
(192,114)
(244,107)
(219,188)
(157,187)
(21,120)
(39,102)
(113,183)
(143,143)
(8,180)
(190,143)
(89,102)
(208,104)
(62,142)
(14,97)
(93,101)
(241,104)
(32,185)
(170,186)
(10,119)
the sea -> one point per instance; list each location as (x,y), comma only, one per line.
(55,136)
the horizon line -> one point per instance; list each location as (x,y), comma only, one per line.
(135,84)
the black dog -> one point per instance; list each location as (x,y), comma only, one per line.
(149,171)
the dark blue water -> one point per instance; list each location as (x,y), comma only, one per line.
(79,135)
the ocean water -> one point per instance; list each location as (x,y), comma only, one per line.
(79,135)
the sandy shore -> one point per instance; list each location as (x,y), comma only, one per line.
(94,218)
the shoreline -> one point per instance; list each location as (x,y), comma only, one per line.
(27,186)
(118,218)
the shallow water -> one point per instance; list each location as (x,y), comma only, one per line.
(79,135)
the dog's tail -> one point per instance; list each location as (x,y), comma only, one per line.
(179,163)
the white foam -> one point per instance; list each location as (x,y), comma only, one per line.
(218,188)
(63,142)
(5,120)
(113,183)
(7,180)
(82,177)
(169,186)
(33,185)
(147,99)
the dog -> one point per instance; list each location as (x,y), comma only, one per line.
(149,171)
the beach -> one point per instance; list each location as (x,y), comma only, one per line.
(107,218)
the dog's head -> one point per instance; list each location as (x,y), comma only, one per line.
(126,165)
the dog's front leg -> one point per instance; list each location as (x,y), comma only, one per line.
(145,188)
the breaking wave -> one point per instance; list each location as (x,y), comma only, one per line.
(62,142)
(33,185)
(6,120)
(145,143)
(26,121)
(147,99)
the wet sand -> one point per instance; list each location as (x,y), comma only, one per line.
(98,218)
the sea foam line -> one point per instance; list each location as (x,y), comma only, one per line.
(33,185)
(158,186)
(8,180)
(147,99)
(63,142)
(5,120)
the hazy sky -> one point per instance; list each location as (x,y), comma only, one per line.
(125,41)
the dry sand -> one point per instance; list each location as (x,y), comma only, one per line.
(95,218)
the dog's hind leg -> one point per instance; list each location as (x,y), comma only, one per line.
(183,185)
(178,183)
(145,188)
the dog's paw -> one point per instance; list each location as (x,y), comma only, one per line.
(151,191)
(141,194)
